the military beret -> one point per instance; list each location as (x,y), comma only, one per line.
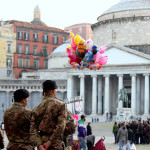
(20,94)
(49,85)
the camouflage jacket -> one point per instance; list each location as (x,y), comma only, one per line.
(69,129)
(48,121)
(70,125)
(17,123)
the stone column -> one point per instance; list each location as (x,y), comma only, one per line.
(30,100)
(82,91)
(146,98)
(94,94)
(106,110)
(69,87)
(100,95)
(138,95)
(133,95)
(7,94)
(120,86)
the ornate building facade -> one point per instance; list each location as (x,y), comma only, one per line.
(125,30)
(7,49)
(34,42)
(128,64)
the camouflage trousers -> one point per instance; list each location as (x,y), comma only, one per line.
(19,146)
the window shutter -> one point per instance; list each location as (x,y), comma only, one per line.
(57,39)
(10,62)
(45,51)
(18,35)
(43,39)
(24,35)
(53,40)
(28,36)
(21,35)
(33,36)
(47,39)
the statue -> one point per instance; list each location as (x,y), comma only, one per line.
(123,96)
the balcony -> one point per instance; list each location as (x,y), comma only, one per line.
(41,54)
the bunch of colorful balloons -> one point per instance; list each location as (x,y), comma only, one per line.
(84,54)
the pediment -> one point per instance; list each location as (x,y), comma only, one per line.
(120,55)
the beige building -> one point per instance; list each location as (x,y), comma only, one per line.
(7,49)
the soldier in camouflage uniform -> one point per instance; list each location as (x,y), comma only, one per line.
(49,120)
(17,122)
(70,127)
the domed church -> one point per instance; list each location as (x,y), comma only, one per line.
(125,30)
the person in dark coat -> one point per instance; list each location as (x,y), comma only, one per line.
(89,129)
(134,128)
(139,133)
(130,137)
(147,132)
(90,138)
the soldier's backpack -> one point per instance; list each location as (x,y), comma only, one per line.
(99,145)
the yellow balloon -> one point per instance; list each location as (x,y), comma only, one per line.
(68,47)
(71,35)
(77,39)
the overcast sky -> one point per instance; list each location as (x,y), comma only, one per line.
(55,13)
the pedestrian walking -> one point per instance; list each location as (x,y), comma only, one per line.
(115,131)
(122,136)
(89,129)
(82,133)
(49,120)
(17,122)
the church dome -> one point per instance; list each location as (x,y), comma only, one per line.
(58,58)
(126,23)
(129,5)
(62,48)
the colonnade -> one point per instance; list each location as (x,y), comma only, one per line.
(97,92)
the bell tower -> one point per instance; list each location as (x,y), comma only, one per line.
(37,13)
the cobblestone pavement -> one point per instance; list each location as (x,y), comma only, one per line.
(104,129)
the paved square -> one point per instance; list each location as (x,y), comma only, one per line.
(104,129)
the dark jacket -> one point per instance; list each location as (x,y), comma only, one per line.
(130,135)
(89,130)
(134,127)
(140,129)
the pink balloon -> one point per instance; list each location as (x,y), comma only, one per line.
(73,45)
(71,55)
(103,60)
(102,49)
(97,57)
